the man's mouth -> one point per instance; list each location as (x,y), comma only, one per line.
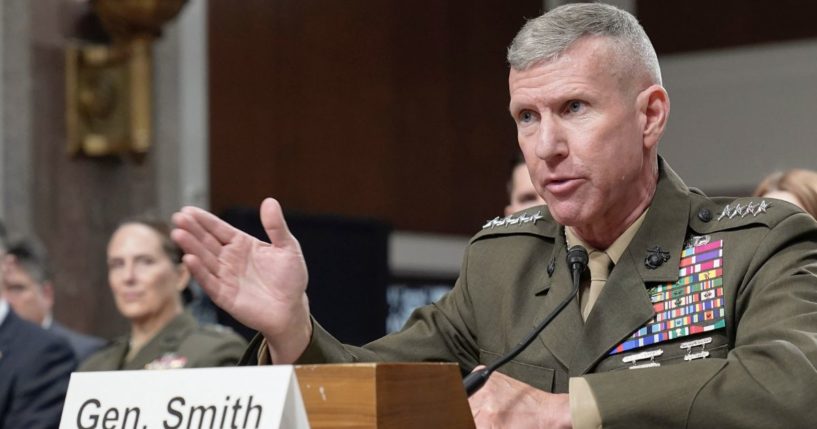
(562,185)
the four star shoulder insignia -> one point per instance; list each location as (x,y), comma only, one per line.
(514,220)
(740,210)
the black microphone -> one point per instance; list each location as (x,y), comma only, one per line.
(577,261)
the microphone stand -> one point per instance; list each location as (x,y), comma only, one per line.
(577,261)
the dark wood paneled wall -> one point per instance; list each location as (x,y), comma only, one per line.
(393,110)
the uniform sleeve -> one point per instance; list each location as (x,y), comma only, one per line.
(767,380)
(41,387)
(440,332)
(584,412)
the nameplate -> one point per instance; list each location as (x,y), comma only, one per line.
(235,398)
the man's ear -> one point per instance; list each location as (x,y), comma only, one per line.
(48,293)
(653,104)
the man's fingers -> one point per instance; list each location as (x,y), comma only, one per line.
(272,217)
(193,246)
(188,223)
(209,224)
(208,281)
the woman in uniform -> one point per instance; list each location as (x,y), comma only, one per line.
(147,278)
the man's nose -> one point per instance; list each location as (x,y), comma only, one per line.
(551,143)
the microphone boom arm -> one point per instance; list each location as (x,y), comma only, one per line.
(577,260)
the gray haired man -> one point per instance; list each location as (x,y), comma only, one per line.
(698,312)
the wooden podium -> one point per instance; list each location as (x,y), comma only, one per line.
(384,395)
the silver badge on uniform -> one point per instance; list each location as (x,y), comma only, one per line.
(511,220)
(649,354)
(691,345)
(739,210)
(698,240)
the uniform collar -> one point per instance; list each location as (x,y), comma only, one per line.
(167,340)
(619,245)
(664,229)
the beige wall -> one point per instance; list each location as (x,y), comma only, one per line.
(738,114)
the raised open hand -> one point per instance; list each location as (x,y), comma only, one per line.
(262,285)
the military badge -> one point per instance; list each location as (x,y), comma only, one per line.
(697,240)
(741,211)
(167,361)
(692,305)
(656,256)
(511,220)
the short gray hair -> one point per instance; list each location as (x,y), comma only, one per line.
(548,36)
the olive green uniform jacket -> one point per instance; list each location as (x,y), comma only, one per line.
(183,343)
(761,370)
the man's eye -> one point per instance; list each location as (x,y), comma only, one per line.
(526,116)
(145,260)
(15,288)
(574,106)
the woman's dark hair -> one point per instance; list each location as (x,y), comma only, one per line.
(173,251)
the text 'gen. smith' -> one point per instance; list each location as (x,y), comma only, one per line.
(232,414)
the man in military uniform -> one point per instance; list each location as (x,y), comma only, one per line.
(696,313)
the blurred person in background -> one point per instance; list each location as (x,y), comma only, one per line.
(29,289)
(521,192)
(797,186)
(147,280)
(35,366)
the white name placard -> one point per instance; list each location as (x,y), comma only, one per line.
(212,398)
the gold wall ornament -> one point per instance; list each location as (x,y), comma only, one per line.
(109,87)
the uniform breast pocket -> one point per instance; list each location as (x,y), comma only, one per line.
(535,375)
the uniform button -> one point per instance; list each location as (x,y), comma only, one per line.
(704,215)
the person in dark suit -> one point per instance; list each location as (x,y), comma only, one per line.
(35,367)
(29,289)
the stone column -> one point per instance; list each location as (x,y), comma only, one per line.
(73,203)
(15,116)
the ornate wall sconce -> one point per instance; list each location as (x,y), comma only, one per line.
(109,87)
